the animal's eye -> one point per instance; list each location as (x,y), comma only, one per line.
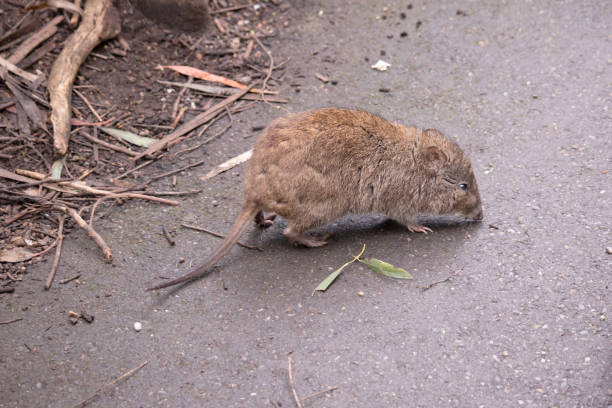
(463,186)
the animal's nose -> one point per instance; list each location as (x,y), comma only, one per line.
(479,216)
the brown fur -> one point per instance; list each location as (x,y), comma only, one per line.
(316,166)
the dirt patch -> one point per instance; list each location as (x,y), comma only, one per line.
(118,86)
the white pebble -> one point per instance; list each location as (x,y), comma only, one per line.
(138,326)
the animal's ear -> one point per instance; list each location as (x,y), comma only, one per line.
(435,158)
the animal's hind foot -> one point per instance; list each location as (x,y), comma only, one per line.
(264,221)
(308,241)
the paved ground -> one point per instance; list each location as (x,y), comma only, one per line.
(524,86)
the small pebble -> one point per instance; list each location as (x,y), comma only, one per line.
(609,250)
(360,293)
(138,326)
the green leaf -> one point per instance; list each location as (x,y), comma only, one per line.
(130,137)
(332,276)
(385,268)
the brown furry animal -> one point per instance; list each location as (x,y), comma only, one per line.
(316,166)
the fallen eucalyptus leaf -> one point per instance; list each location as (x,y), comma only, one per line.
(385,268)
(17,254)
(130,137)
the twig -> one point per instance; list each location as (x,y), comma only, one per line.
(12,321)
(220,91)
(448,278)
(140,166)
(216,234)
(269,74)
(37,183)
(115,381)
(321,78)
(7,290)
(110,145)
(192,124)
(292,384)
(77,122)
(90,231)
(18,71)
(222,131)
(91,108)
(330,389)
(168,237)
(32,42)
(173,172)
(173,193)
(64,281)
(58,252)
(175,108)
(127,195)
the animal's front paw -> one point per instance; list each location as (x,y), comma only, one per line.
(418,228)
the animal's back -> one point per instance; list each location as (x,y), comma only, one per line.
(322,164)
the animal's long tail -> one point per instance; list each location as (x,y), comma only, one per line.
(246,215)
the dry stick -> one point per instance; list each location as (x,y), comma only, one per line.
(216,234)
(292,383)
(90,231)
(12,321)
(330,389)
(91,108)
(110,145)
(168,237)
(173,172)
(178,118)
(127,195)
(44,251)
(115,381)
(17,216)
(140,166)
(18,71)
(100,22)
(38,54)
(33,41)
(218,91)
(37,183)
(58,252)
(192,124)
(174,193)
(175,108)
(64,281)
(216,135)
(269,74)
(209,124)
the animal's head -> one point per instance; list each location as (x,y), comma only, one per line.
(454,188)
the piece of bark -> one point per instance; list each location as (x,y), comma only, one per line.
(100,22)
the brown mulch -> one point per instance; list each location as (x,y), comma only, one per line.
(120,86)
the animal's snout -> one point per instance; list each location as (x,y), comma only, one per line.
(479,215)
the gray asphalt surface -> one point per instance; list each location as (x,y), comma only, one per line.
(523,319)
